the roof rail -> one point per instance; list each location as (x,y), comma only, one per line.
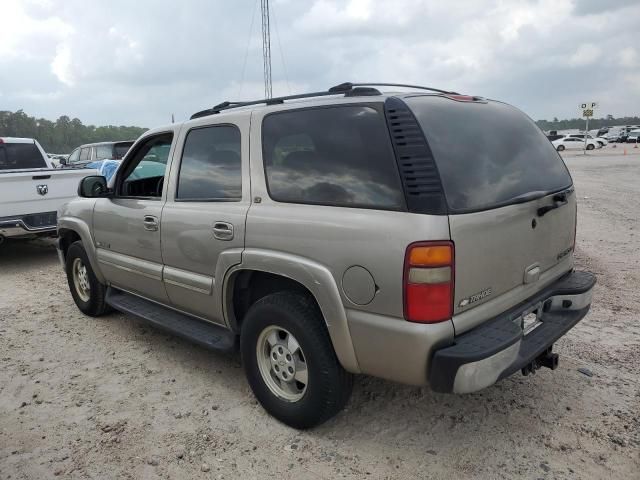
(347,89)
(348,85)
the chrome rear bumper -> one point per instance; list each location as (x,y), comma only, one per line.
(499,347)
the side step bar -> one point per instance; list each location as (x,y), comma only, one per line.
(198,331)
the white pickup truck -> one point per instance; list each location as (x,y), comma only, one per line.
(31,190)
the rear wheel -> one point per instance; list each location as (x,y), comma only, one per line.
(290,362)
(560,148)
(590,146)
(86,290)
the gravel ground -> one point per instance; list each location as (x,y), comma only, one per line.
(113,398)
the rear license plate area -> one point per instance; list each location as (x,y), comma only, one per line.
(529,320)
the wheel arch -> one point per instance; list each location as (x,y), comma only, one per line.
(73,229)
(276,271)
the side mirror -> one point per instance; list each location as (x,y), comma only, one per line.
(93,186)
(63,161)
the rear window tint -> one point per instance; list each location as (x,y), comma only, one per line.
(338,156)
(488,154)
(20,155)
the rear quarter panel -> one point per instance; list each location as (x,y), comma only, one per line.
(338,237)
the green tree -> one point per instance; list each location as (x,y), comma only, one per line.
(64,134)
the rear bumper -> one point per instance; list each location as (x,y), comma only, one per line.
(498,348)
(25,225)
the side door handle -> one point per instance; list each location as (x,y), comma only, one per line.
(223,231)
(150,223)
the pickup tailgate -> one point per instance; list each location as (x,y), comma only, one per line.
(511,203)
(36,191)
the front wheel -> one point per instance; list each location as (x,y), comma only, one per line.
(560,148)
(590,146)
(86,290)
(290,362)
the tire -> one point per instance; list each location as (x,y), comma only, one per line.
(560,148)
(590,146)
(328,385)
(90,301)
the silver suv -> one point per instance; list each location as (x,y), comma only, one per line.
(424,237)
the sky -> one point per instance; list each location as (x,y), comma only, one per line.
(127,62)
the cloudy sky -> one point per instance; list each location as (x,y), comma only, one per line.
(137,62)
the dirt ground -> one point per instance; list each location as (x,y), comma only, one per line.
(113,398)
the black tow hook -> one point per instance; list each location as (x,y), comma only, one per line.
(546,359)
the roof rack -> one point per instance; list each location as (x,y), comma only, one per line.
(348,89)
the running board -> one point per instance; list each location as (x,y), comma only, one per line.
(203,333)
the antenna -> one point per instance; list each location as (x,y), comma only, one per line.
(266,48)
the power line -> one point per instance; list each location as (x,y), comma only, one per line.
(284,66)
(246,50)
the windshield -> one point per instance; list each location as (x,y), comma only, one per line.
(20,155)
(487,153)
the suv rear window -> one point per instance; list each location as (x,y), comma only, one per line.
(338,156)
(488,154)
(20,155)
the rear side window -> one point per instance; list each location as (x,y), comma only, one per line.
(488,154)
(339,156)
(20,155)
(104,152)
(120,149)
(211,165)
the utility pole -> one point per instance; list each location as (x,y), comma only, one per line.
(266,48)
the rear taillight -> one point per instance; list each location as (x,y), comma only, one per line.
(428,282)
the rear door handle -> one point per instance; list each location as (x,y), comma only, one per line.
(223,231)
(150,223)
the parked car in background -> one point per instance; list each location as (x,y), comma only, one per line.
(554,137)
(92,152)
(57,159)
(573,143)
(601,141)
(313,236)
(633,137)
(31,189)
(613,136)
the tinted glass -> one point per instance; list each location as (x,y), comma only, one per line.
(20,155)
(487,153)
(104,152)
(338,156)
(120,149)
(84,154)
(210,168)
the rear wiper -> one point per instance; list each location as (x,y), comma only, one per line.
(526,197)
(559,199)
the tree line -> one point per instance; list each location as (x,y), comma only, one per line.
(579,123)
(64,134)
